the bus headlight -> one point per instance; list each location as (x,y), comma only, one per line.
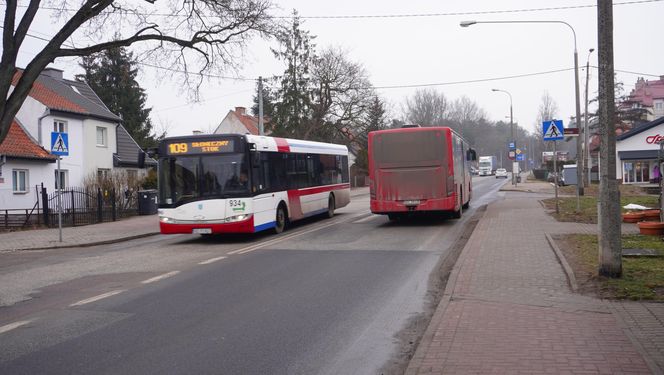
(164,219)
(237,218)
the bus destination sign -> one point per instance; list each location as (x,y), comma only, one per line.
(200,147)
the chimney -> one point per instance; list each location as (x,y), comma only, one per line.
(197,132)
(53,73)
(240,111)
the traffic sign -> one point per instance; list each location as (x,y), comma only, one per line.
(571,132)
(553,130)
(59,143)
(518,151)
(511,155)
(511,145)
(520,157)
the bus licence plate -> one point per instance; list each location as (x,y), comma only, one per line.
(411,202)
(202,231)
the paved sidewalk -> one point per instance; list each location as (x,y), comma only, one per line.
(508,309)
(95,234)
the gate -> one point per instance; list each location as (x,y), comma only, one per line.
(83,206)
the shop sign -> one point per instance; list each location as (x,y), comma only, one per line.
(654,139)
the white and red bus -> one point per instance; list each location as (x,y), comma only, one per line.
(230,183)
(419,169)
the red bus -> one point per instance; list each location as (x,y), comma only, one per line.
(419,169)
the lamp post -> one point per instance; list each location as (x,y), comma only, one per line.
(586,131)
(579,158)
(514,179)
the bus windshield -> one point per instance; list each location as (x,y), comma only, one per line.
(188,178)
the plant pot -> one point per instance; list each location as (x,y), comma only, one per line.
(632,217)
(651,215)
(651,228)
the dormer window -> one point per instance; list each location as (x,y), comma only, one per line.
(60,126)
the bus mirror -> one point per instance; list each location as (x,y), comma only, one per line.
(471,155)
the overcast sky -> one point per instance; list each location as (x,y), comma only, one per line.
(402,51)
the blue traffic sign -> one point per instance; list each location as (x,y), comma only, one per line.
(520,157)
(512,145)
(59,144)
(553,130)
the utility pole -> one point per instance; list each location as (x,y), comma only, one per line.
(586,130)
(608,206)
(261,130)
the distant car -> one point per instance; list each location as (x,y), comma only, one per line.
(501,173)
(552,177)
(474,171)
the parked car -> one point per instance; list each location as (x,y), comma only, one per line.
(501,173)
(474,171)
(552,177)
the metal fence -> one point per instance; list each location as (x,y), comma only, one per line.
(79,206)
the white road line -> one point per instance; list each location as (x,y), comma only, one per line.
(251,248)
(370,217)
(211,260)
(160,277)
(10,326)
(96,298)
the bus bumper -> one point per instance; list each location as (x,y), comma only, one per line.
(244,226)
(387,207)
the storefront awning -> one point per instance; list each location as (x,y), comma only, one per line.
(638,155)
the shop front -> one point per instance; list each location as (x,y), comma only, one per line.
(637,151)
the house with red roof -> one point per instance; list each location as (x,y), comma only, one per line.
(647,95)
(238,122)
(98,143)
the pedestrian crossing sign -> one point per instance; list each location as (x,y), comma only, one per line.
(553,130)
(59,144)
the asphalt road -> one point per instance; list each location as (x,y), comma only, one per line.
(325,297)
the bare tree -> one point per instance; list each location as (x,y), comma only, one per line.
(548,110)
(196,37)
(339,96)
(464,112)
(427,107)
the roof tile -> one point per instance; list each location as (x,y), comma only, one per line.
(19,145)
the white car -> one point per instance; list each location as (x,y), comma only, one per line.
(501,172)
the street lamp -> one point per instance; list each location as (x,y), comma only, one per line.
(514,180)
(579,169)
(586,131)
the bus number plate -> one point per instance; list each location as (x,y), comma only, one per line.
(202,231)
(411,203)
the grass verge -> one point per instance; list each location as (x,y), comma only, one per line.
(642,279)
(588,207)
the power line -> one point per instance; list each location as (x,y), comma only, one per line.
(388,16)
(202,101)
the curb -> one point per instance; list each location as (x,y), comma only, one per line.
(89,244)
(561,259)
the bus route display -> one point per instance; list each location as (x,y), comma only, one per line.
(200,147)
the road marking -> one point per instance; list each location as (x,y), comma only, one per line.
(211,260)
(370,217)
(10,326)
(160,277)
(97,298)
(251,248)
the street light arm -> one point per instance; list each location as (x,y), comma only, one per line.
(473,22)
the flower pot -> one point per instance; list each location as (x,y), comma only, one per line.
(632,217)
(651,215)
(651,228)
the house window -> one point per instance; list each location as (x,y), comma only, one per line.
(103,173)
(20,181)
(101,136)
(61,179)
(60,126)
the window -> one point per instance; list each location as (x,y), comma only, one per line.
(61,180)
(20,181)
(60,126)
(103,174)
(101,136)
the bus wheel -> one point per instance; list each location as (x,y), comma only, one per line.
(393,217)
(457,214)
(280,222)
(466,205)
(330,206)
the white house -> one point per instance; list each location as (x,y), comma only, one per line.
(238,122)
(97,141)
(637,151)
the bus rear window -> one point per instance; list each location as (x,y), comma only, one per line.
(408,148)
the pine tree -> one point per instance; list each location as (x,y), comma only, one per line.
(292,110)
(376,119)
(112,76)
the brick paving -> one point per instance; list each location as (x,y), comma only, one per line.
(508,308)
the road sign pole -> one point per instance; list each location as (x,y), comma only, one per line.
(555,179)
(58,181)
